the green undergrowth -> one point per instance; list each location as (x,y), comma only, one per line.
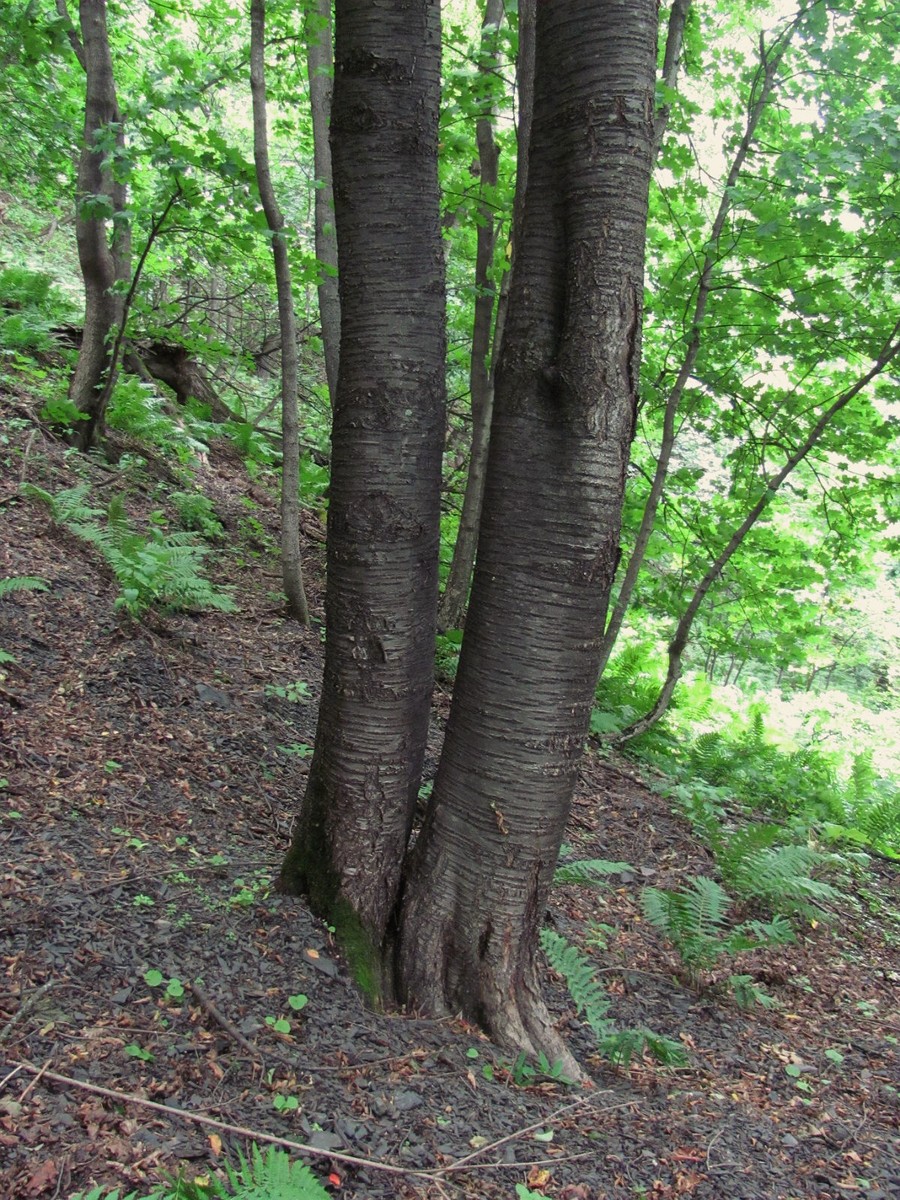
(152,569)
(269,1175)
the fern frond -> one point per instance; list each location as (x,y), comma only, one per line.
(626,1044)
(588,993)
(21,583)
(273,1176)
(589,870)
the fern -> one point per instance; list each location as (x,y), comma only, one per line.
(868,811)
(68,507)
(589,870)
(777,875)
(695,920)
(589,995)
(18,583)
(154,569)
(21,583)
(269,1176)
(626,1044)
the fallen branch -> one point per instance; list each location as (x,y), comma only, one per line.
(369,1164)
(256,1135)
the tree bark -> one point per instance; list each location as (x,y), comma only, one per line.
(291,569)
(384,500)
(479,875)
(319,66)
(481,374)
(104,253)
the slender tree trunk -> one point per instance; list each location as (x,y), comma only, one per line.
(481,375)
(479,875)
(319,66)
(678,644)
(291,569)
(762,92)
(384,503)
(678,16)
(102,231)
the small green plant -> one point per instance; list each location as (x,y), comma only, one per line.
(279,1024)
(297,749)
(142,901)
(174,987)
(524,1073)
(295,693)
(133,1050)
(695,920)
(282,1103)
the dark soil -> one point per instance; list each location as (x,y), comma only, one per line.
(149,780)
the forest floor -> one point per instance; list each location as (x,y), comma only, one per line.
(150,775)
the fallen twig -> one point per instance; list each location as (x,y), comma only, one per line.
(461,1163)
(222,1020)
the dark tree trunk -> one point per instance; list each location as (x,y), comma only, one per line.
(101,228)
(319,65)
(480,873)
(384,500)
(291,569)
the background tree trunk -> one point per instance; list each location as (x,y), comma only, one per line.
(104,252)
(481,371)
(291,570)
(319,66)
(480,872)
(384,500)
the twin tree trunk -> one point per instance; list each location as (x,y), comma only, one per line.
(462,933)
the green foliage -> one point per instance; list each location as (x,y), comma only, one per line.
(867,813)
(589,870)
(195,511)
(314,482)
(21,583)
(585,989)
(136,408)
(273,1176)
(250,442)
(592,1000)
(153,569)
(269,1176)
(759,862)
(695,921)
(29,306)
(446,656)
